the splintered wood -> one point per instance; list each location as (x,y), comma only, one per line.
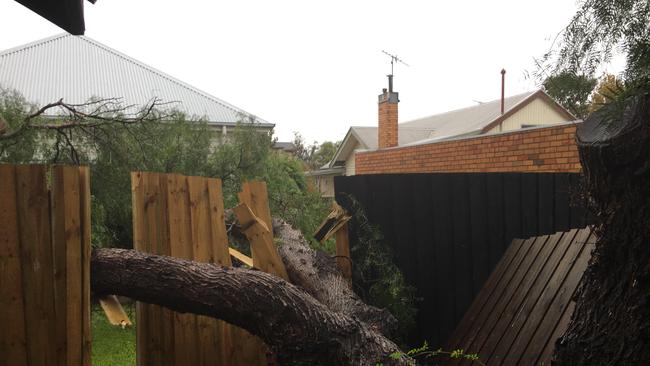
(44,265)
(114,311)
(183,217)
(336,223)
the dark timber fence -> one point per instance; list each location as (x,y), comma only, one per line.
(449,230)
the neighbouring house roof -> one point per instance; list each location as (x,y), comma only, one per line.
(285,146)
(77,68)
(337,170)
(472,120)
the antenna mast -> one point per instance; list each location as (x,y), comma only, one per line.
(393,60)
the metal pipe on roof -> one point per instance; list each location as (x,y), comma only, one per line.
(503,87)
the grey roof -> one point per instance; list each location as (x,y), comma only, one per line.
(285,146)
(463,121)
(77,68)
(466,120)
(460,122)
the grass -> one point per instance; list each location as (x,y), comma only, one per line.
(112,345)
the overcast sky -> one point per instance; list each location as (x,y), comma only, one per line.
(316,67)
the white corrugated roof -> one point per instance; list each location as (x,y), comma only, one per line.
(77,68)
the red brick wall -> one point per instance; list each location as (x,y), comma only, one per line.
(544,149)
(387,127)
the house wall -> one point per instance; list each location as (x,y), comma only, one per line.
(350,162)
(324,184)
(542,149)
(537,112)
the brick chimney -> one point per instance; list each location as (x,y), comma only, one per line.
(387,129)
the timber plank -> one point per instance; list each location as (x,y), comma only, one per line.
(208,335)
(497,219)
(480,245)
(185,329)
(152,227)
(463,256)
(546,209)
(424,246)
(531,298)
(85,215)
(527,333)
(12,339)
(141,309)
(221,256)
(559,303)
(166,317)
(255,195)
(562,214)
(74,271)
(546,355)
(480,301)
(343,259)
(58,213)
(443,237)
(37,262)
(519,278)
(265,254)
(529,202)
(524,292)
(402,209)
(480,323)
(217,223)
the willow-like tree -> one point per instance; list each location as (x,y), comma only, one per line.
(611,321)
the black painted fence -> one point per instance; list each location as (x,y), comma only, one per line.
(448,230)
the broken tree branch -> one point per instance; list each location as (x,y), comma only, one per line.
(299,329)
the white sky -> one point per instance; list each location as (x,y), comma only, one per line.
(317,67)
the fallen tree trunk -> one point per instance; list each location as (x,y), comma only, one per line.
(317,273)
(298,328)
(611,321)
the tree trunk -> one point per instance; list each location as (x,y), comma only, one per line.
(611,321)
(299,329)
(318,274)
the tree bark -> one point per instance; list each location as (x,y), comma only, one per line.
(318,274)
(611,321)
(298,328)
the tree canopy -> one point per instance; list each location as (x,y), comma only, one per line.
(571,90)
(113,143)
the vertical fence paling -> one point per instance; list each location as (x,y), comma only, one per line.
(44,265)
(448,230)
(184,217)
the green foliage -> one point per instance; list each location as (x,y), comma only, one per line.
(173,144)
(112,345)
(571,91)
(598,30)
(377,279)
(314,156)
(425,352)
(13,111)
(291,199)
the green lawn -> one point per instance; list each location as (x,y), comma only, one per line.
(112,345)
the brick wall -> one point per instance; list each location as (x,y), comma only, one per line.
(542,149)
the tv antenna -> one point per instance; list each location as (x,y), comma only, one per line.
(393,60)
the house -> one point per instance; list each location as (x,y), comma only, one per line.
(514,113)
(78,68)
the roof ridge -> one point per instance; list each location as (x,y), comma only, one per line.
(133,61)
(527,94)
(32,44)
(157,72)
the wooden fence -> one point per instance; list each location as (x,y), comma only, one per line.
(449,230)
(44,265)
(183,217)
(526,303)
